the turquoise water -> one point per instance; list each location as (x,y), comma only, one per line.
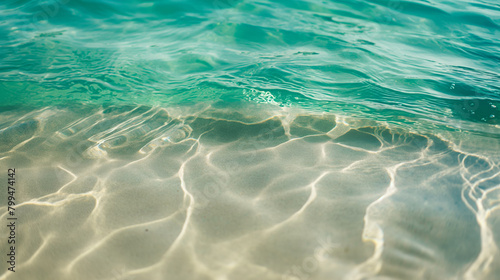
(234,139)
(432,60)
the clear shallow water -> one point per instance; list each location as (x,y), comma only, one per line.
(436,60)
(253,140)
(246,192)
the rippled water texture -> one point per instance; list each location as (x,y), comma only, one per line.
(234,139)
(435,60)
(150,193)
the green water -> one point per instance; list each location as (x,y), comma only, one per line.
(434,60)
(231,139)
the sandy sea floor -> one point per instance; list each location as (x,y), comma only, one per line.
(213,192)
